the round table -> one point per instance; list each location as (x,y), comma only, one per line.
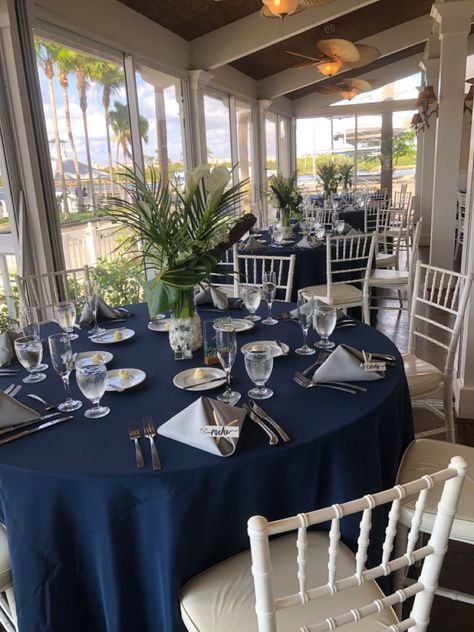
(98,545)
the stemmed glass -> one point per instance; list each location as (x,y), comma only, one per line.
(252,295)
(63,363)
(268,294)
(92,298)
(226,340)
(92,380)
(259,365)
(305,308)
(335,221)
(30,326)
(29,351)
(341,224)
(65,314)
(277,237)
(324,322)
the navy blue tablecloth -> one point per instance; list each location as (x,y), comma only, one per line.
(98,545)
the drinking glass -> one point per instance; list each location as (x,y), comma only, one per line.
(63,363)
(324,322)
(65,314)
(92,298)
(320,232)
(268,294)
(335,221)
(305,308)
(92,380)
(259,365)
(226,352)
(29,351)
(252,295)
(277,237)
(340,226)
(30,326)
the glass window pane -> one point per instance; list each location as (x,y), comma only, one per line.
(405,88)
(271,143)
(284,149)
(8,267)
(369,165)
(404,151)
(245,149)
(217,121)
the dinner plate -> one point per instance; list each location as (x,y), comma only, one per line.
(108,337)
(274,348)
(88,355)
(162,325)
(116,383)
(186,379)
(239,324)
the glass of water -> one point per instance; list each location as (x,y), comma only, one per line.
(252,296)
(92,298)
(29,351)
(324,321)
(30,326)
(320,232)
(63,363)
(305,309)
(65,314)
(259,365)
(268,294)
(277,237)
(92,380)
(335,222)
(341,224)
(226,340)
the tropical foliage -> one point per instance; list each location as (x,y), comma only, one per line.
(328,173)
(345,169)
(284,194)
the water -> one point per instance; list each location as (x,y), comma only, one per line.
(269,291)
(62,362)
(66,317)
(259,366)
(252,298)
(29,354)
(324,321)
(92,380)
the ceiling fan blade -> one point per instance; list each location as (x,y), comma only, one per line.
(376,83)
(368,54)
(303,64)
(313,59)
(308,4)
(361,85)
(343,49)
(328,89)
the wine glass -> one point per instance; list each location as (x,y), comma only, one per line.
(259,365)
(335,221)
(324,321)
(252,295)
(92,380)
(30,326)
(268,293)
(65,314)
(226,340)
(277,237)
(29,351)
(320,232)
(341,224)
(92,298)
(305,309)
(63,363)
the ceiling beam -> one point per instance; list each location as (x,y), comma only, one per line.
(252,33)
(388,42)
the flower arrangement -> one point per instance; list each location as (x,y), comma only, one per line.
(284,193)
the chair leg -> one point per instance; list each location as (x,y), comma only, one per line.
(400,299)
(366,308)
(448,413)
(401,540)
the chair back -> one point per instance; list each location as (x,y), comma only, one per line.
(390,228)
(260,530)
(438,302)
(251,268)
(401,200)
(370,214)
(225,276)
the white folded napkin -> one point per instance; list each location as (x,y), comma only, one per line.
(7,350)
(211,294)
(252,244)
(13,413)
(306,242)
(344,364)
(186,426)
(353,231)
(104,312)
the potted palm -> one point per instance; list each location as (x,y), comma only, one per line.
(345,175)
(328,173)
(181,237)
(283,193)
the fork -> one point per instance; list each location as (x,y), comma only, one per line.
(9,389)
(149,431)
(14,392)
(134,434)
(43,401)
(322,357)
(307,383)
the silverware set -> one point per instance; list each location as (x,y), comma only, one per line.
(149,432)
(261,418)
(346,387)
(6,372)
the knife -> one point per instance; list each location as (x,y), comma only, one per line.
(261,413)
(7,429)
(273,439)
(25,433)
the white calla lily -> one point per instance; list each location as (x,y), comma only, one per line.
(216,182)
(193,177)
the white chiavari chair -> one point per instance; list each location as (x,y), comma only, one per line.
(251,268)
(225,276)
(437,309)
(371,209)
(319,585)
(389,228)
(401,200)
(7,597)
(460,222)
(348,265)
(325,216)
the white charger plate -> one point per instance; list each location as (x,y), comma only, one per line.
(88,355)
(274,348)
(159,325)
(114,383)
(240,324)
(186,379)
(108,338)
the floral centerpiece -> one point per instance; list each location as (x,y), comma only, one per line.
(181,237)
(284,194)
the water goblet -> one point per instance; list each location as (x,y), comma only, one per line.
(92,298)
(252,296)
(341,224)
(268,293)
(65,315)
(92,380)
(259,365)
(29,351)
(30,326)
(63,363)
(320,232)
(305,309)
(277,237)
(335,221)
(324,321)
(226,342)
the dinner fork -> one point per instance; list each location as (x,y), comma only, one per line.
(134,434)
(307,383)
(149,431)
(14,392)
(8,390)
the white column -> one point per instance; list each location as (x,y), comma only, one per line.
(428,139)
(198,79)
(261,153)
(454,20)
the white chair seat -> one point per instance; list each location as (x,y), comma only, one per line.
(384,278)
(5,564)
(223,598)
(425,456)
(341,293)
(423,378)
(385,260)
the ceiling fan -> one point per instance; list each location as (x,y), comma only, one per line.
(336,53)
(349,88)
(283,8)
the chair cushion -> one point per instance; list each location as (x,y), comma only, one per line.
(425,456)
(5,564)
(341,293)
(387,278)
(223,598)
(423,378)
(385,260)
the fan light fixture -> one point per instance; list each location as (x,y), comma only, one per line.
(427,105)
(281,8)
(329,68)
(349,94)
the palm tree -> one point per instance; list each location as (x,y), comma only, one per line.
(120,123)
(46,53)
(82,68)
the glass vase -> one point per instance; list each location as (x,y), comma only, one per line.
(185,334)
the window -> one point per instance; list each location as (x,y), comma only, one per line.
(245,149)
(217,121)
(369,166)
(401,89)
(284,149)
(403,151)
(7,252)
(271,143)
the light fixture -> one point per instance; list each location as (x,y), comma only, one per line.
(427,105)
(330,67)
(468,100)
(417,122)
(349,94)
(281,8)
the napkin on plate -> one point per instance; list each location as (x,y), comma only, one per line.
(252,244)
(13,413)
(7,350)
(186,426)
(104,312)
(344,365)
(211,294)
